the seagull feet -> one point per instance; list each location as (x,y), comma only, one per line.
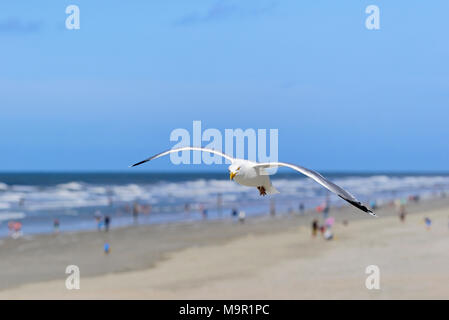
(262,191)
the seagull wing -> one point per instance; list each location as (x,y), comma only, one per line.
(345,195)
(185,149)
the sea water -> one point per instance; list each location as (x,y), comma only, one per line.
(37,199)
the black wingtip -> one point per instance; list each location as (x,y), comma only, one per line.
(360,206)
(139,163)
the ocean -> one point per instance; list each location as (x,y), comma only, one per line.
(75,199)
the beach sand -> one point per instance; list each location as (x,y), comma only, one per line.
(264,258)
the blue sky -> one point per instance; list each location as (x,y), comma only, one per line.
(107,95)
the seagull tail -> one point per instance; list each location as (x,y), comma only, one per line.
(272,190)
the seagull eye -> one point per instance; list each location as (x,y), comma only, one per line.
(238,168)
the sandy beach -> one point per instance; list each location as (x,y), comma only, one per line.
(264,258)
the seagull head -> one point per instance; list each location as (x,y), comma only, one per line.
(234,170)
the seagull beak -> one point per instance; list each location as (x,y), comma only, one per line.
(232,175)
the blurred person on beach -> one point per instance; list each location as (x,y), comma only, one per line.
(322,229)
(203,211)
(234,212)
(402,213)
(272,207)
(107,221)
(326,211)
(146,209)
(106,248)
(15,229)
(428,222)
(242,216)
(314,227)
(326,207)
(56,225)
(98,219)
(219,204)
(136,210)
(301,208)
(328,234)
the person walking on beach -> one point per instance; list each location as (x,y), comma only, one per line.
(314,227)
(301,208)
(107,221)
(135,211)
(242,216)
(328,234)
(428,223)
(56,225)
(204,213)
(402,213)
(98,219)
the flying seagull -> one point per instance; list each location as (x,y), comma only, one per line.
(253,174)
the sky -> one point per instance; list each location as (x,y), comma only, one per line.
(344,98)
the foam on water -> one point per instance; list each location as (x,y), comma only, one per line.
(5,216)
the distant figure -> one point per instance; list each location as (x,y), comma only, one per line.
(107,221)
(242,216)
(234,212)
(314,227)
(219,204)
(272,207)
(326,210)
(327,207)
(328,235)
(56,225)
(301,208)
(428,223)
(402,213)
(322,229)
(98,218)
(107,249)
(15,229)
(145,209)
(135,211)
(203,211)
(186,207)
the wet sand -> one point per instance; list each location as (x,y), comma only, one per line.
(264,258)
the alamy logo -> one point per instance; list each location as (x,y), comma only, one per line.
(72,22)
(73,280)
(373,280)
(372,22)
(236,140)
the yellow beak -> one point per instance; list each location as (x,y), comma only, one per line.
(232,175)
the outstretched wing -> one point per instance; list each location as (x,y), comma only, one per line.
(345,195)
(185,149)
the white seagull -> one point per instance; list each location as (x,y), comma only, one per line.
(253,174)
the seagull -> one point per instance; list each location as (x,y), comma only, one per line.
(254,174)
